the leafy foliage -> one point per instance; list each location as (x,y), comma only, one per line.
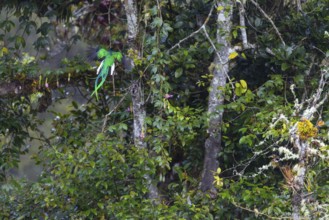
(91,167)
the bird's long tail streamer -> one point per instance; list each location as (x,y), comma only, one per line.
(102,71)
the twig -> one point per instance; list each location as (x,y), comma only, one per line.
(216,51)
(270,20)
(258,212)
(315,101)
(107,115)
(318,49)
(213,45)
(109,21)
(113,84)
(195,32)
(159,9)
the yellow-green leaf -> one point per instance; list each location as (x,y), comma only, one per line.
(243,84)
(238,91)
(218,181)
(4,50)
(233,55)
(219,8)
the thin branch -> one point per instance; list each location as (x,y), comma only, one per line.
(299,6)
(109,22)
(322,101)
(258,212)
(243,26)
(318,49)
(213,45)
(203,28)
(270,20)
(315,101)
(113,84)
(195,32)
(159,9)
(115,108)
(216,51)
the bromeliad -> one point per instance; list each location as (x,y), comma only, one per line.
(108,60)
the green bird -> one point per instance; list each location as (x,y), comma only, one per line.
(108,58)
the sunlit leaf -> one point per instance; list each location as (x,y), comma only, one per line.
(220,8)
(233,55)
(244,86)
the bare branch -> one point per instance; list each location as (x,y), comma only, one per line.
(270,20)
(195,32)
(243,26)
(114,109)
(216,51)
(257,213)
(212,44)
(316,101)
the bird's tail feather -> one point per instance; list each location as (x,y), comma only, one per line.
(104,71)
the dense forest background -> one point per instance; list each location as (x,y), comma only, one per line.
(201,109)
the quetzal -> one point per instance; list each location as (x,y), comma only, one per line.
(108,58)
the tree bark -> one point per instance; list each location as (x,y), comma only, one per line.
(137,93)
(299,179)
(216,97)
(315,102)
(244,36)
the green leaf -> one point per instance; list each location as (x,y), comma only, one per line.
(123,126)
(75,104)
(178,24)
(238,90)
(44,28)
(100,205)
(246,140)
(100,137)
(235,33)
(157,22)
(284,66)
(30,25)
(7,25)
(20,41)
(117,56)
(219,8)
(178,72)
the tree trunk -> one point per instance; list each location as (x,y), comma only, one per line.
(137,92)
(299,179)
(216,97)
